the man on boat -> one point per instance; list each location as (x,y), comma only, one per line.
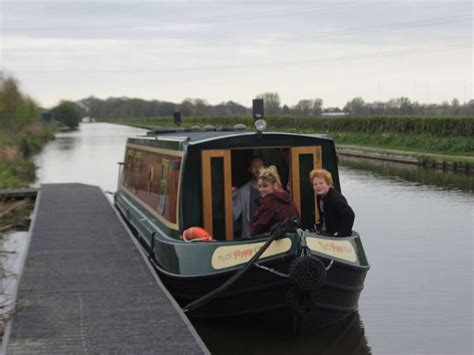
(245,198)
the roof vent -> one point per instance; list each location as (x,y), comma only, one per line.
(195,128)
(240,127)
(209,127)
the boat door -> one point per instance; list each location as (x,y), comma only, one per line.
(303,160)
(217,193)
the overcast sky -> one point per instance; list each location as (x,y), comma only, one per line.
(235,50)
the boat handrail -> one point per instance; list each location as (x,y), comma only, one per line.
(173,138)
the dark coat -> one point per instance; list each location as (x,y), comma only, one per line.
(273,208)
(338,217)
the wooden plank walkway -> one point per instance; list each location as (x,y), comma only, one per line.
(17,193)
(87,287)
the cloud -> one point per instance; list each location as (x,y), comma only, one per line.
(223,50)
(182,28)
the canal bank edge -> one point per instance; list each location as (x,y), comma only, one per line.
(458,163)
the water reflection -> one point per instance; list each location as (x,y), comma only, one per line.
(88,155)
(419,240)
(394,171)
(254,336)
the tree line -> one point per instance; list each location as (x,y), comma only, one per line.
(123,107)
(18,110)
(403,106)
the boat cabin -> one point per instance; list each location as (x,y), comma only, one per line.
(184,178)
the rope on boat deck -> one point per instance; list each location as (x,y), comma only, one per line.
(330,265)
(281,274)
(277,231)
(273,271)
(305,251)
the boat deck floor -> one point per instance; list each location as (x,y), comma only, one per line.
(87,288)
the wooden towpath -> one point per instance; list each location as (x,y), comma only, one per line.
(87,288)
(17,193)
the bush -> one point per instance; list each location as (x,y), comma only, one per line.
(16,109)
(68,114)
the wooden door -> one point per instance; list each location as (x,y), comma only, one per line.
(217,193)
(303,160)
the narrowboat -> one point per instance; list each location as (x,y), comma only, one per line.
(174,180)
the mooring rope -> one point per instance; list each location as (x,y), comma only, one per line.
(273,271)
(276,232)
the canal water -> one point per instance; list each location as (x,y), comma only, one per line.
(418,232)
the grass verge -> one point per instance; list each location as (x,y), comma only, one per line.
(17,148)
(424,147)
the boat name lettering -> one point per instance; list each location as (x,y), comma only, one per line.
(341,249)
(228,256)
(243,253)
(225,257)
(338,249)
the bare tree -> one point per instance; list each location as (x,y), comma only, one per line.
(271,102)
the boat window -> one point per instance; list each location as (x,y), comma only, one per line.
(163,192)
(150,179)
(154,181)
(127,169)
(137,164)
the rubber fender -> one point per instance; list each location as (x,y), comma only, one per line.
(307,273)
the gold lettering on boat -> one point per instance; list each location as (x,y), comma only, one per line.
(228,256)
(341,249)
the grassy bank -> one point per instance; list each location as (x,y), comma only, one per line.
(422,143)
(17,148)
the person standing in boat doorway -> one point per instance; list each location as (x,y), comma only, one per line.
(336,216)
(275,204)
(244,201)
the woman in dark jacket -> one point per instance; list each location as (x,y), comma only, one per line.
(275,204)
(336,216)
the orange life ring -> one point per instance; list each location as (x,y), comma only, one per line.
(196,234)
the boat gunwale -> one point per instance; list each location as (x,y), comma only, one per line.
(269,260)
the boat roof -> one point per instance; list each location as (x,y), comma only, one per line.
(177,138)
(195,136)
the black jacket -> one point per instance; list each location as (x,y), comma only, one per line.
(338,216)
